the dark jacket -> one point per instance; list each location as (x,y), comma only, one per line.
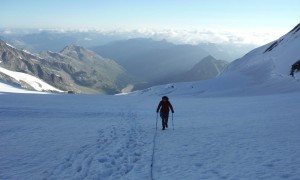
(164,107)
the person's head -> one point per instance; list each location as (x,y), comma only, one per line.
(165,98)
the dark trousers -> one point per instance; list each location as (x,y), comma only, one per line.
(164,119)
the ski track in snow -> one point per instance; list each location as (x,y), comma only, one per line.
(105,158)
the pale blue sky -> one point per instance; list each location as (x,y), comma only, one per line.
(226,15)
(183,14)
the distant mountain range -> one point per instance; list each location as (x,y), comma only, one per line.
(73,69)
(140,63)
(35,41)
(128,65)
(49,40)
(159,62)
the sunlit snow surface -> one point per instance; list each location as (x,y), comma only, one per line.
(111,137)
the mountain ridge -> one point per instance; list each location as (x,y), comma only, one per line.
(68,72)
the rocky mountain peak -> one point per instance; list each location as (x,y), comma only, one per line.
(72,48)
(80,53)
(208,59)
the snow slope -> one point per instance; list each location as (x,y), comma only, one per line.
(113,137)
(10,88)
(22,78)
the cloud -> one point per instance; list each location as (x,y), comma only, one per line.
(182,36)
(7,32)
(200,36)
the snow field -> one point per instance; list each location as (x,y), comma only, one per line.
(111,137)
(6,88)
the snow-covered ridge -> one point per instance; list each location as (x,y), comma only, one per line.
(10,45)
(28,52)
(32,81)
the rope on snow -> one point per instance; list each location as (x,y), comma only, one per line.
(153,150)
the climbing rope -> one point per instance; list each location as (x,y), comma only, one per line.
(153,150)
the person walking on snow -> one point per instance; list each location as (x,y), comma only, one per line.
(164,107)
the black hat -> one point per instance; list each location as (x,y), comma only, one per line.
(165,97)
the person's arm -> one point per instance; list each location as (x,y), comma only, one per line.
(158,107)
(171,107)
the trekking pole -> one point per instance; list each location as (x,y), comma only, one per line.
(156,120)
(172,122)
